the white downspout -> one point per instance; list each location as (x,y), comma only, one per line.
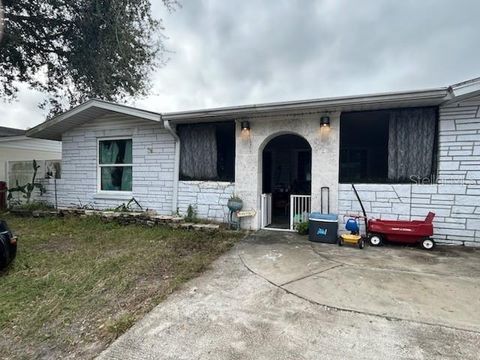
(176,169)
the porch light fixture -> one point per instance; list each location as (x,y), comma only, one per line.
(325,121)
(245,125)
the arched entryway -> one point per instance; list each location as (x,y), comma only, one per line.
(286,181)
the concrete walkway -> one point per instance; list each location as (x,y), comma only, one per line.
(278,296)
(434,287)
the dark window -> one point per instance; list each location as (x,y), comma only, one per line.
(115,162)
(387,146)
(207,151)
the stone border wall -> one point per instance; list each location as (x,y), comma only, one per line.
(124,218)
(209,197)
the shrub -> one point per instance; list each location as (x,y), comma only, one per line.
(302,228)
(191,213)
(34,205)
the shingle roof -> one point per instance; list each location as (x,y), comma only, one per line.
(6,131)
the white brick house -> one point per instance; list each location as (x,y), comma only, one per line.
(281,157)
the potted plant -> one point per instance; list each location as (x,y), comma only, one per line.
(235,203)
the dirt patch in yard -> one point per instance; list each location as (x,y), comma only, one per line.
(77,284)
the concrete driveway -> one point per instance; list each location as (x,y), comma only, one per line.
(278,296)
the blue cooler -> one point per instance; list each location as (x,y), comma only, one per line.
(323,227)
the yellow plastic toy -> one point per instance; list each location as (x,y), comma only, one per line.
(352,239)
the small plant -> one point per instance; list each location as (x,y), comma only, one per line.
(191,213)
(120,325)
(302,228)
(28,188)
(235,197)
(128,206)
(82,206)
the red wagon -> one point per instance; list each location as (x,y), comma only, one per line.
(405,232)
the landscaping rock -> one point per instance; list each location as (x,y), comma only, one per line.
(147,218)
(209,227)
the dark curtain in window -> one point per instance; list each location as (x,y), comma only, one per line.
(112,152)
(411,143)
(198,148)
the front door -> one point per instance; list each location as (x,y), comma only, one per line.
(286,181)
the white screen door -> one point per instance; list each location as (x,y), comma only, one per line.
(266,206)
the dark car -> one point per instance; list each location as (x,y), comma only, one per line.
(8,245)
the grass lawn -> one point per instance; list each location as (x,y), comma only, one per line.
(78,283)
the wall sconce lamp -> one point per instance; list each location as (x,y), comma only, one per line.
(245,125)
(325,121)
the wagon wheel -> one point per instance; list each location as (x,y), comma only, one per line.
(375,239)
(340,241)
(427,244)
(361,243)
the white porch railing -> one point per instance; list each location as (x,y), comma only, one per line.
(300,206)
(266,207)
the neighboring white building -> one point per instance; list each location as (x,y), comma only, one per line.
(16,147)
(408,152)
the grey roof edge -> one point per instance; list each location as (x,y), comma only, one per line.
(462,97)
(6,131)
(106,105)
(443,93)
(466,83)
(438,94)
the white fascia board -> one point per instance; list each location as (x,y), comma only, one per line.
(437,95)
(100,104)
(127,110)
(461,97)
(26,143)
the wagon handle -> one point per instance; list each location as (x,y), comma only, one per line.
(360,201)
(430,217)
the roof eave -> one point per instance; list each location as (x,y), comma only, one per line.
(431,96)
(54,128)
(41,131)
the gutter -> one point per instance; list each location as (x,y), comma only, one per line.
(176,169)
(387,99)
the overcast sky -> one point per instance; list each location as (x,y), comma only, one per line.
(243,52)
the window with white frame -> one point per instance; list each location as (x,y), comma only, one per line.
(115,164)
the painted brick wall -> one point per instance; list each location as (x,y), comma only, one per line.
(455,197)
(457,210)
(459,143)
(210,198)
(153,159)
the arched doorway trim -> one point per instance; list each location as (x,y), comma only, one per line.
(285,160)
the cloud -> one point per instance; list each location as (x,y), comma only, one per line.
(23,112)
(232,52)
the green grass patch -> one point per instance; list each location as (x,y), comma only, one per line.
(78,283)
(34,205)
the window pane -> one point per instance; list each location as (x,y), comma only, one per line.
(199,148)
(116,151)
(364,147)
(116,178)
(207,151)
(387,146)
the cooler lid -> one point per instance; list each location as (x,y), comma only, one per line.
(317,216)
